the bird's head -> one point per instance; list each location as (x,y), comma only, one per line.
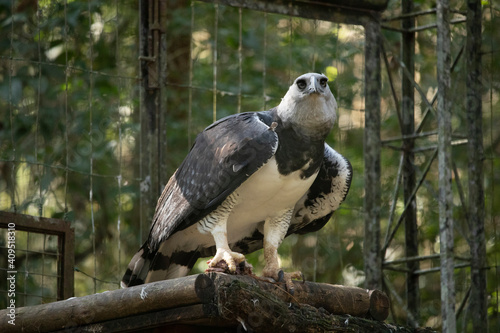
(309,105)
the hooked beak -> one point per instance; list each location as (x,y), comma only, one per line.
(315,87)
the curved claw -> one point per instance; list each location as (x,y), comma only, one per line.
(287,278)
(281,276)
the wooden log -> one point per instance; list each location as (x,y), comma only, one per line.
(335,299)
(379,305)
(258,308)
(195,289)
(168,319)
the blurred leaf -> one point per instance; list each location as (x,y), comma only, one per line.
(331,73)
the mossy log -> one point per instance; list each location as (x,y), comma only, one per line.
(335,299)
(314,307)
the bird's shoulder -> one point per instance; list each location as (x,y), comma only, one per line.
(233,142)
(244,119)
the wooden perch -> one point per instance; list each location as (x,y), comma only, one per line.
(267,307)
(96,308)
(335,299)
(213,300)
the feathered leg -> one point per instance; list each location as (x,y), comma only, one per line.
(274,232)
(223,251)
(216,224)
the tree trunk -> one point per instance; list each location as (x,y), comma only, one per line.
(478,299)
(444,161)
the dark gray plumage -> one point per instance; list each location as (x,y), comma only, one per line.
(250,180)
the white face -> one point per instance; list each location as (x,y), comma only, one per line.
(309,103)
(310,83)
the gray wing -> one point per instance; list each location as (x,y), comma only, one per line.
(223,156)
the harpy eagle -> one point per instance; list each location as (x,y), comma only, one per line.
(249,180)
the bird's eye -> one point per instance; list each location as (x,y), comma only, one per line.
(323,82)
(301,84)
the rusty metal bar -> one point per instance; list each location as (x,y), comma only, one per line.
(162,106)
(149,104)
(152,60)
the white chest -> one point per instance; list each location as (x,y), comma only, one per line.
(265,194)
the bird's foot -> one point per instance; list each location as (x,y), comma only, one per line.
(279,275)
(243,268)
(229,257)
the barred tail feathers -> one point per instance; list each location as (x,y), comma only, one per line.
(147,266)
(138,268)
